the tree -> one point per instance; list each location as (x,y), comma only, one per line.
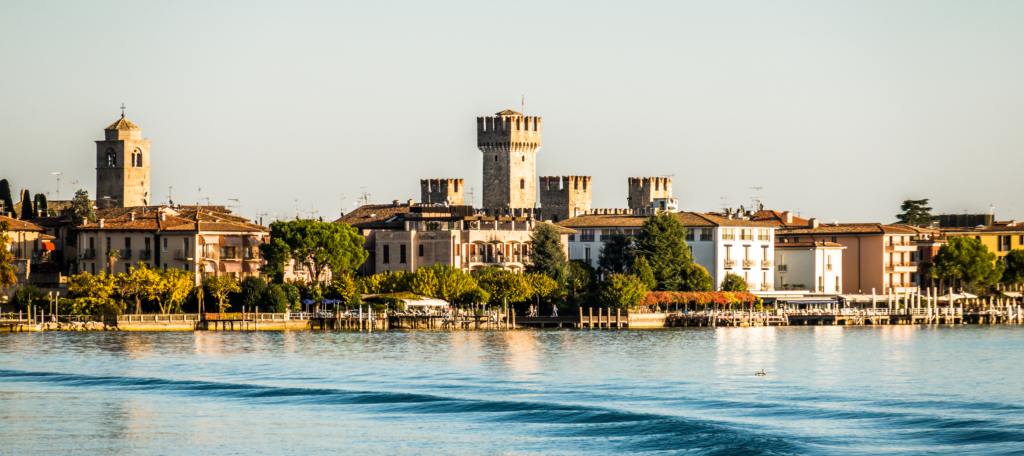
(6,200)
(642,270)
(733,282)
(318,245)
(27,211)
(915,212)
(41,206)
(443,282)
(7,270)
(130,286)
(663,241)
(548,255)
(82,208)
(111,261)
(503,285)
(168,289)
(617,253)
(580,276)
(696,278)
(292,293)
(1014,272)
(622,291)
(541,285)
(276,254)
(89,306)
(85,285)
(275,299)
(478,296)
(342,287)
(251,291)
(28,295)
(219,288)
(969,260)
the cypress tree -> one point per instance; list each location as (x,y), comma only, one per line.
(547,256)
(663,241)
(41,205)
(5,196)
(27,211)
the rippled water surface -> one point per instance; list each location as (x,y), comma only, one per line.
(829,390)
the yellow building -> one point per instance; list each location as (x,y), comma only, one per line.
(1000,238)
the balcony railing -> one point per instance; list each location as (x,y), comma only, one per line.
(126,254)
(749,263)
(782,267)
(766,263)
(767,286)
(730,263)
(905,264)
(828,267)
(706,237)
(585,238)
(498,259)
(145,254)
(87,254)
(182,254)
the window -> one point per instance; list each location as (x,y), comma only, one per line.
(421,249)
(93,266)
(495,158)
(165,244)
(185,268)
(127,242)
(796,239)
(586,254)
(838,287)
(746,253)
(92,243)
(587,236)
(833,239)
(111,158)
(728,253)
(782,281)
(165,266)
(126,266)
(689,234)
(706,234)
(763,235)
(782,260)
(184,246)
(522,184)
(728,234)
(249,253)
(387,254)
(746,235)
(147,245)
(572,237)
(764,253)
(401,254)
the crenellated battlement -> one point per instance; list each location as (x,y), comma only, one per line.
(508,131)
(564,197)
(565,183)
(644,190)
(509,142)
(642,211)
(437,191)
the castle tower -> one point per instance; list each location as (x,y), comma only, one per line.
(434,191)
(564,197)
(122,166)
(644,190)
(509,142)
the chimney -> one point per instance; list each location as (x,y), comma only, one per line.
(131,216)
(101,223)
(163,216)
(787,217)
(395,203)
(85,220)
(410,203)
(728,213)
(812,223)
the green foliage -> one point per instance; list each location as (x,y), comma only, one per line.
(968,260)
(733,282)
(27,211)
(617,254)
(276,253)
(622,291)
(354,301)
(696,278)
(443,282)
(388,282)
(663,241)
(82,208)
(27,295)
(542,285)
(7,271)
(915,212)
(251,291)
(220,288)
(85,285)
(580,277)
(41,206)
(342,287)
(478,296)
(503,285)
(89,306)
(275,300)
(548,255)
(318,245)
(1014,272)
(642,270)
(6,199)
(292,293)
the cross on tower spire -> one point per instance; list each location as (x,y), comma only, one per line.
(122,110)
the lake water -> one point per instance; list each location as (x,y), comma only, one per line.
(829,390)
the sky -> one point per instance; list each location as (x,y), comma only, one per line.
(836,110)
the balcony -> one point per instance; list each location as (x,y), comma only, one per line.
(87,254)
(126,254)
(900,287)
(145,254)
(900,247)
(749,263)
(907,266)
(766,263)
(767,286)
(782,267)
(184,255)
(585,238)
(828,267)
(730,263)
(499,259)
(706,237)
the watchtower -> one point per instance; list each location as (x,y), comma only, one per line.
(564,197)
(509,142)
(434,191)
(644,190)
(122,166)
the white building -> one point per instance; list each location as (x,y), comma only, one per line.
(810,266)
(719,244)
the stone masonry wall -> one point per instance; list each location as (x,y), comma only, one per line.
(509,142)
(564,197)
(644,190)
(434,191)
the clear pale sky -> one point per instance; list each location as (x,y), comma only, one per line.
(837,109)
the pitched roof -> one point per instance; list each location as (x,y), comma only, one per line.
(508,112)
(374,216)
(150,221)
(18,225)
(689,219)
(561,229)
(777,218)
(916,229)
(988,229)
(123,124)
(847,228)
(782,245)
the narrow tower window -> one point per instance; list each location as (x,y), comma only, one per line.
(495,158)
(111,159)
(522,183)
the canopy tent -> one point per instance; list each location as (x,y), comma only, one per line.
(426,302)
(230,266)
(1012,294)
(955,296)
(209,239)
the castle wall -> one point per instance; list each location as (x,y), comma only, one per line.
(644,190)
(564,197)
(434,191)
(509,143)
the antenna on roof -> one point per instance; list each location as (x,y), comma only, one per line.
(472,197)
(296,208)
(757,198)
(725,203)
(342,208)
(199,196)
(235,207)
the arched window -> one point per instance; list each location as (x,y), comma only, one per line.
(137,158)
(111,159)
(522,183)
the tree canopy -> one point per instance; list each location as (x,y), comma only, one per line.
(642,270)
(82,207)
(7,276)
(968,260)
(617,253)
(580,276)
(916,212)
(27,211)
(42,209)
(622,291)
(733,282)
(697,279)
(6,198)
(548,256)
(318,245)
(663,241)
(1014,272)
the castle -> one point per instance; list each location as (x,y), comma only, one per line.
(122,166)
(509,142)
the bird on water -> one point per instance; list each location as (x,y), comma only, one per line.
(761,374)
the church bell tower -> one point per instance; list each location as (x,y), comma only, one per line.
(122,166)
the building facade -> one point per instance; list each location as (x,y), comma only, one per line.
(811,266)
(122,166)
(564,197)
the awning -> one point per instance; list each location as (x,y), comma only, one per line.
(252,266)
(48,246)
(253,241)
(230,266)
(231,241)
(1012,294)
(210,239)
(425,303)
(210,266)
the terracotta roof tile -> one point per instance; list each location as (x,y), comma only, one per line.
(847,228)
(375,216)
(777,218)
(689,219)
(782,245)
(18,225)
(123,124)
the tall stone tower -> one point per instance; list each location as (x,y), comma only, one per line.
(564,197)
(509,142)
(122,166)
(644,190)
(434,191)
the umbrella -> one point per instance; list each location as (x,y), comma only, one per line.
(307,301)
